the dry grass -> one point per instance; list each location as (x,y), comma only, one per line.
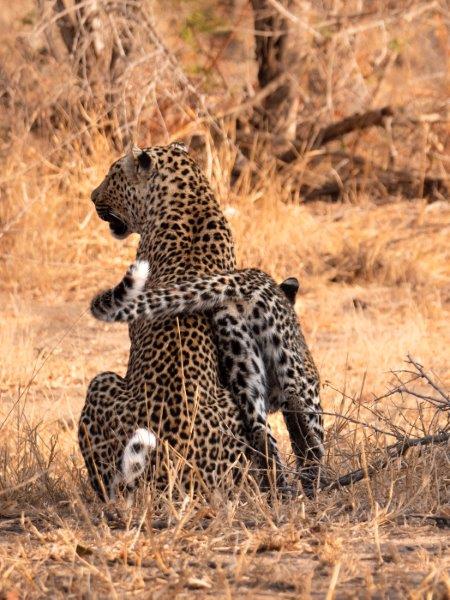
(375,287)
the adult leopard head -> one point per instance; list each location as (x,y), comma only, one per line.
(142,182)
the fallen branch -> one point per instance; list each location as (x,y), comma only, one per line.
(336,130)
(442,521)
(408,183)
(358,121)
(394,451)
(352,168)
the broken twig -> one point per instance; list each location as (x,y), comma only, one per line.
(395,451)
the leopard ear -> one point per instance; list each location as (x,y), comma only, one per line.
(130,160)
(181,146)
(138,160)
(135,151)
(144,161)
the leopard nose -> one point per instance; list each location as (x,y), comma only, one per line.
(95,194)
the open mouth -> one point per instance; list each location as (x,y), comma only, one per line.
(118,228)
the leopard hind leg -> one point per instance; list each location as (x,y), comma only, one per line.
(106,423)
(134,462)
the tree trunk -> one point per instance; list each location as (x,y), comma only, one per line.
(274,113)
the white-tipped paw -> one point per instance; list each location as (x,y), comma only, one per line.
(139,272)
(144,436)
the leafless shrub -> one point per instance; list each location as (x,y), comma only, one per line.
(414,413)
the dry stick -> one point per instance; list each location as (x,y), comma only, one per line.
(421,371)
(336,130)
(396,431)
(440,404)
(393,180)
(358,422)
(440,520)
(395,451)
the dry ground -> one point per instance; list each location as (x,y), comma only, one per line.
(364,541)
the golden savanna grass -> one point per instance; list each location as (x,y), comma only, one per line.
(374,270)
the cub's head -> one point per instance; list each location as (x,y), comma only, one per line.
(136,183)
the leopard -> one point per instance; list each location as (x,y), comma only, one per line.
(172,388)
(243,305)
(135,456)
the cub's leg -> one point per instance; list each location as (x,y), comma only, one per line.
(243,372)
(304,423)
(295,390)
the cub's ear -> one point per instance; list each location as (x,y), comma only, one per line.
(180,146)
(290,288)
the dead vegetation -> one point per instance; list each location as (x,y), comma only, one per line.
(366,126)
